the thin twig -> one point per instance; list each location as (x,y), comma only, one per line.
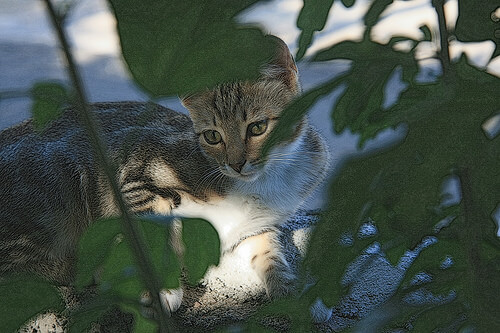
(130,229)
(444,52)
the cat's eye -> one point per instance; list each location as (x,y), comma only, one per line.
(257,128)
(212,137)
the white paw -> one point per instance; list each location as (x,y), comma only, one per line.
(320,313)
(170,299)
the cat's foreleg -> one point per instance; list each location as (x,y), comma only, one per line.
(171,299)
(270,264)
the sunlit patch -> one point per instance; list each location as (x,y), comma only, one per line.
(162,174)
(162,206)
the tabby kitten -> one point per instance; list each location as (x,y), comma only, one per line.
(209,166)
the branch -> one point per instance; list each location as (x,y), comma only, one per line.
(444,53)
(128,226)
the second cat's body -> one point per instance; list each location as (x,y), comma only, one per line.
(208,165)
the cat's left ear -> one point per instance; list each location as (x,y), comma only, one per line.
(282,66)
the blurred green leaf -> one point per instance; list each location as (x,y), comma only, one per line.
(445,317)
(376,9)
(141,324)
(399,188)
(23,297)
(427,33)
(293,311)
(121,273)
(296,111)
(90,312)
(106,254)
(180,46)
(360,108)
(164,258)
(348,3)
(202,247)
(94,246)
(48,101)
(312,18)
(476,22)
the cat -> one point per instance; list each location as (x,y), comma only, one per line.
(208,164)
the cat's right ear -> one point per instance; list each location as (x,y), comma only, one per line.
(187,100)
(190,101)
(282,66)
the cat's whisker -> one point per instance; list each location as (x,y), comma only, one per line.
(294,153)
(195,149)
(207,178)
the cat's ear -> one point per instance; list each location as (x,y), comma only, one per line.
(194,100)
(282,66)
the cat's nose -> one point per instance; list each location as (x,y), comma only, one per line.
(237,166)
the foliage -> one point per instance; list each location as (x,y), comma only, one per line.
(489,28)
(178,47)
(400,188)
(23,297)
(106,259)
(49,98)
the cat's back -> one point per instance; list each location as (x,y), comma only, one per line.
(66,135)
(39,167)
(50,181)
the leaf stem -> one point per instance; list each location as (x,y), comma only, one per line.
(444,53)
(129,228)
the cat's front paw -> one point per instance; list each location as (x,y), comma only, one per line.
(268,261)
(279,280)
(170,299)
(275,272)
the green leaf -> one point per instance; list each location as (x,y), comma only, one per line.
(141,324)
(295,112)
(180,46)
(94,246)
(348,3)
(477,23)
(360,108)
(90,312)
(202,248)
(288,309)
(48,101)
(400,189)
(105,251)
(120,273)
(440,317)
(23,297)
(163,256)
(427,33)
(312,17)
(373,14)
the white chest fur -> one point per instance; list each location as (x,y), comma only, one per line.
(234,217)
(250,208)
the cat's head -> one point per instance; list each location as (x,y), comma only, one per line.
(233,120)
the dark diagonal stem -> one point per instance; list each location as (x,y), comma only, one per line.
(130,229)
